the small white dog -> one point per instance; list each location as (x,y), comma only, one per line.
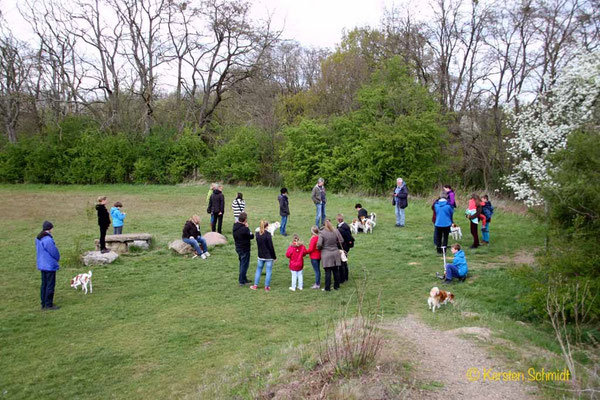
(83,280)
(355,226)
(455,232)
(437,297)
(271,228)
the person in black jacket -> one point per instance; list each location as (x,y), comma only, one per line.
(284,210)
(266,255)
(242,237)
(400,201)
(103,222)
(346,245)
(192,236)
(361,213)
(216,207)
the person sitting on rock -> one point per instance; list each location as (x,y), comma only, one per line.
(192,236)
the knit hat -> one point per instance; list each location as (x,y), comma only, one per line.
(47,225)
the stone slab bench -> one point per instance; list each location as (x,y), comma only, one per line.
(121,243)
(212,239)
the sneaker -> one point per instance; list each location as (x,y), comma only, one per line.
(203,256)
(292,289)
(105,251)
(284,234)
(207,254)
(439,276)
(253,287)
(299,288)
(267,288)
(51,308)
(315,286)
(194,256)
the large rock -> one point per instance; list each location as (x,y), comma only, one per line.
(181,247)
(140,244)
(98,258)
(214,239)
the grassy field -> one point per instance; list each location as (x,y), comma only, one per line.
(160,325)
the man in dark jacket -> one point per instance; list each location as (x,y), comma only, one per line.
(47,262)
(284,210)
(242,237)
(346,245)
(216,207)
(103,222)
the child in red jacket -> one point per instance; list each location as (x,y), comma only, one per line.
(315,256)
(296,253)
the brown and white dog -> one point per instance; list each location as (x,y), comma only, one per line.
(437,297)
(83,280)
(369,223)
(355,226)
(455,232)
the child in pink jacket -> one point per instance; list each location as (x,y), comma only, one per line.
(296,253)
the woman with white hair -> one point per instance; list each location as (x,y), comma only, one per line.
(400,201)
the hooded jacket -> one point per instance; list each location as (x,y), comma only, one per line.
(296,255)
(443,213)
(488,210)
(401,196)
(284,205)
(117,217)
(103,217)
(242,237)
(47,253)
(216,204)
(460,262)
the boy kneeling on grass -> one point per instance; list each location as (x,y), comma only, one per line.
(458,268)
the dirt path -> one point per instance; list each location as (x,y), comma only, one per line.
(441,360)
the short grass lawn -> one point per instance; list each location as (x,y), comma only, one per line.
(160,325)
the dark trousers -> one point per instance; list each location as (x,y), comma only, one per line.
(336,278)
(244,258)
(216,222)
(47,288)
(475,234)
(441,237)
(103,230)
(344,272)
(118,230)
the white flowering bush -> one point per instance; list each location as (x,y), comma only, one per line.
(542,128)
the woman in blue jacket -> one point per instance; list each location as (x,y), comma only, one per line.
(443,221)
(47,262)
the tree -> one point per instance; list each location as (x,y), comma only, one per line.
(544,127)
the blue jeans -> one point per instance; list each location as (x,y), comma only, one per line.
(399,216)
(244,264)
(451,272)
(316,264)
(320,214)
(485,231)
(284,219)
(259,268)
(194,244)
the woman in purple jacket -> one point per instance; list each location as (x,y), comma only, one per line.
(47,262)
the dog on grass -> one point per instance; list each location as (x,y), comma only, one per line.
(355,226)
(369,223)
(82,280)
(271,228)
(437,297)
(455,232)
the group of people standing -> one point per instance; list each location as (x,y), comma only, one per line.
(478,210)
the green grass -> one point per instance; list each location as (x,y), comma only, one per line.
(159,325)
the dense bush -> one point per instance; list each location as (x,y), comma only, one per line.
(78,153)
(395,132)
(573,203)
